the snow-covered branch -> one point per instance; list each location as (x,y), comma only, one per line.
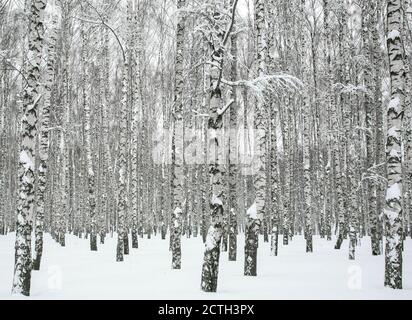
(350,88)
(271,83)
(222,111)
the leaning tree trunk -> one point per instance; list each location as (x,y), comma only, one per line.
(393,208)
(31,96)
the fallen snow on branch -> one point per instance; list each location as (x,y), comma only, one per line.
(275,83)
(350,88)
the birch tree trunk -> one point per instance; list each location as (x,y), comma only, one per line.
(380,149)
(25,209)
(107,163)
(338,159)
(260,126)
(122,174)
(393,208)
(370,109)
(328,101)
(205,179)
(136,106)
(214,235)
(210,266)
(306,147)
(273,154)
(89,164)
(233,158)
(353,163)
(178,143)
(44,148)
(407,123)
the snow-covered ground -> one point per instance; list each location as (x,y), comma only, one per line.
(74,272)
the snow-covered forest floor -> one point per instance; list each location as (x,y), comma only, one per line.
(73,272)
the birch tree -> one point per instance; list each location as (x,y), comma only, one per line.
(255,213)
(306,150)
(393,208)
(217,109)
(233,152)
(177,143)
(27,157)
(44,146)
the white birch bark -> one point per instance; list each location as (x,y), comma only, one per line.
(44,147)
(394,206)
(25,209)
(260,126)
(178,143)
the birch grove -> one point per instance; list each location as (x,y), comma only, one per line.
(242,125)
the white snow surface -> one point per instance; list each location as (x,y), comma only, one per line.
(74,272)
